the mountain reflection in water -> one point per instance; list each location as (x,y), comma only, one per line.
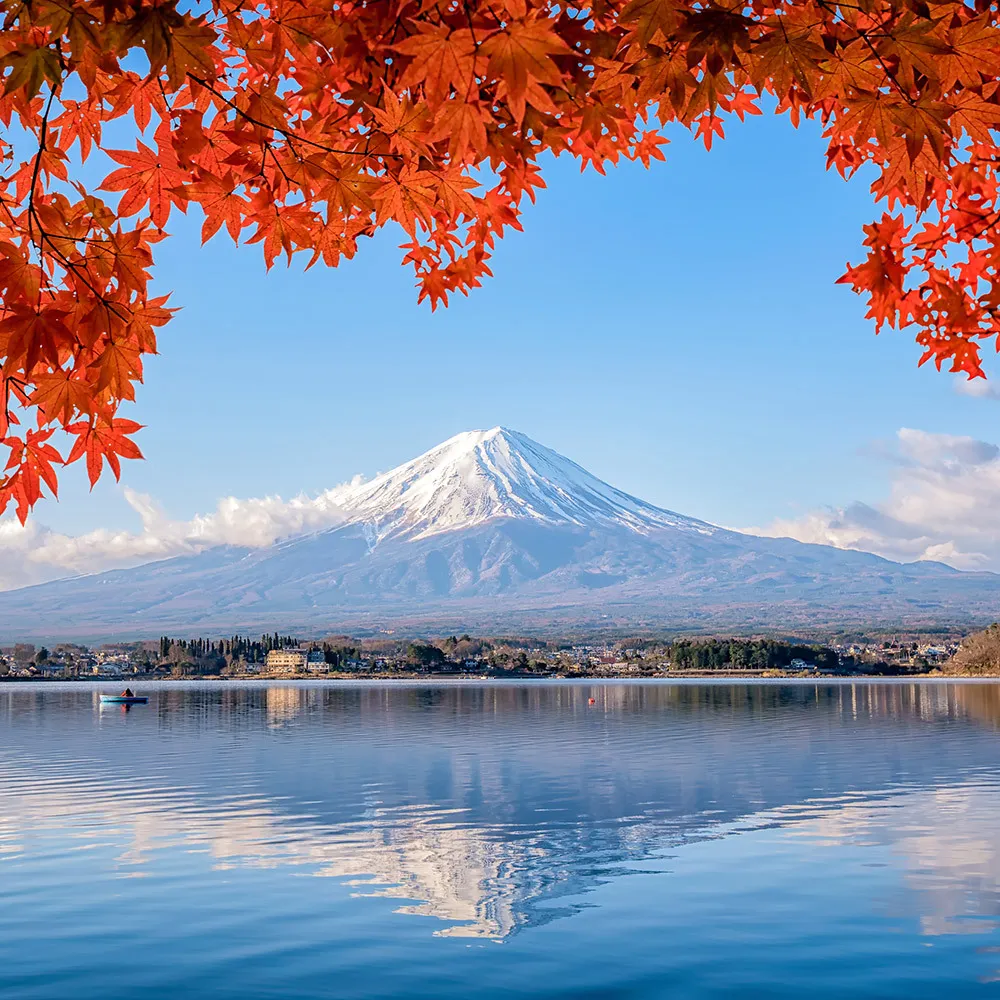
(498,807)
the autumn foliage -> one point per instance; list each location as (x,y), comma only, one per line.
(304,125)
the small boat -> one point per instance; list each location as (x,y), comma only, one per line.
(121,699)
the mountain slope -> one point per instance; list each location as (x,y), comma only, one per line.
(479,476)
(491,530)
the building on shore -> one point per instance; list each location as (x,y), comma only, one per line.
(287,660)
(316,662)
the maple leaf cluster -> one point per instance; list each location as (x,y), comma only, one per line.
(304,125)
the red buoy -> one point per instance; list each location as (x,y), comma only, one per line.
(591,702)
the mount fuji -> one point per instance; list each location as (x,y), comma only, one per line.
(483,476)
(495,532)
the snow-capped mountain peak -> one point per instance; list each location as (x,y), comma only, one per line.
(480,476)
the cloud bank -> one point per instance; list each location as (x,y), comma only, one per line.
(35,554)
(944,505)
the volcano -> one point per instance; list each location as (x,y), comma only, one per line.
(492,531)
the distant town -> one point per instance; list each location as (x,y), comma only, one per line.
(285,656)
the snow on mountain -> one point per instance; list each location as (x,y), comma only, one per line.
(479,476)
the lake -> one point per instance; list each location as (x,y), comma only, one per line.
(362,840)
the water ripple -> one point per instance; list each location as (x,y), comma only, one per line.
(711,816)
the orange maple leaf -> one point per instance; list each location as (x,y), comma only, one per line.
(441,59)
(147,178)
(521,53)
(100,440)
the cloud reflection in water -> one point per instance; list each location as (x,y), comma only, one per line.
(496,807)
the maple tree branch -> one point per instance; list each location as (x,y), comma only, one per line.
(38,160)
(7,415)
(289,136)
(863,35)
(992,217)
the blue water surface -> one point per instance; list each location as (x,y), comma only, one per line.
(501,840)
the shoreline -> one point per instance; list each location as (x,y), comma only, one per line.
(410,678)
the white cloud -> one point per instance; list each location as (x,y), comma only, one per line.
(35,554)
(978,388)
(944,505)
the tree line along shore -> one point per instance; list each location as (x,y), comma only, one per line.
(335,656)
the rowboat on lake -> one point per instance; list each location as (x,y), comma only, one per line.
(121,699)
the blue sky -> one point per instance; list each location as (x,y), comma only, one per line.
(677,331)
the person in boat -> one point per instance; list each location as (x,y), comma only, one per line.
(127,693)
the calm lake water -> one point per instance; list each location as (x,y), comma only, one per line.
(501,840)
